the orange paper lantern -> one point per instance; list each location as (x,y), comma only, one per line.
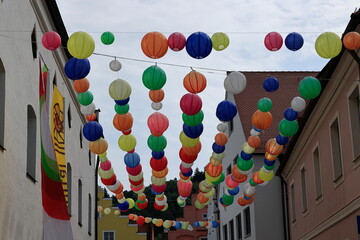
(272,147)
(213,170)
(352,40)
(192,151)
(160,174)
(154,45)
(270,157)
(91,117)
(221,139)
(256,178)
(81,85)
(261,120)
(194,82)
(254,141)
(238,177)
(156,95)
(201,198)
(99,146)
(123,122)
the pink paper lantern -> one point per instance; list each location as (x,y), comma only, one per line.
(176,41)
(157,123)
(105,165)
(273,41)
(51,40)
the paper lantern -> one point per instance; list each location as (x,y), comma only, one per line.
(99,146)
(51,40)
(81,85)
(185,157)
(186,141)
(92,131)
(218,156)
(85,98)
(87,110)
(193,120)
(226,111)
(167,224)
(273,41)
(157,155)
(123,122)
(254,141)
(124,206)
(198,45)
(193,132)
(194,82)
(119,89)
(157,123)
(282,140)
(106,174)
(262,120)
(266,175)
(190,104)
(212,170)
(107,38)
(228,200)
(294,41)
(158,164)
(244,165)
(217,148)
(220,41)
(184,188)
(192,151)
(237,175)
(158,181)
(264,104)
(271,84)
(154,45)
(221,127)
(351,40)
(77,68)
(154,78)
(243,154)
(115,65)
(156,95)
(272,147)
(176,41)
(221,139)
(122,109)
(158,189)
(201,198)
(136,183)
(235,82)
(81,45)
(160,174)
(298,104)
(91,117)
(328,45)
(288,128)
(309,88)
(127,142)
(122,102)
(156,106)
(290,114)
(107,211)
(131,159)
(137,177)
(134,170)
(156,143)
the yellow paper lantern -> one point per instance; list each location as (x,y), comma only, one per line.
(215,162)
(119,89)
(211,179)
(247,149)
(127,142)
(210,194)
(328,45)
(131,202)
(198,205)
(266,175)
(186,141)
(99,146)
(106,174)
(218,156)
(167,224)
(81,45)
(148,220)
(136,177)
(220,41)
(158,181)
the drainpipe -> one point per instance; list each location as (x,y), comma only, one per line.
(96,197)
(285,206)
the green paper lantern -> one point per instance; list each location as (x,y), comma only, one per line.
(252,183)
(185,225)
(154,78)
(85,98)
(81,45)
(220,41)
(269,167)
(193,120)
(119,89)
(157,144)
(122,109)
(228,199)
(221,179)
(328,45)
(107,38)
(198,205)
(127,142)
(264,104)
(309,88)
(288,128)
(244,165)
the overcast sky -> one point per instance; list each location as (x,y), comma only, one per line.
(245,22)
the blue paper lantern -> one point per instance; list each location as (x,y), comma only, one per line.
(271,84)
(196,224)
(123,206)
(198,45)
(269,163)
(157,154)
(77,68)
(234,191)
(214,224)
(290,114)
(226,111)
(247,198)
(122,102)
(178,225)
(281,140)
(193,131)
(132,159)
(294,41)
(245,156)
(188,174)
(155,193)
(217,148)
(221,200)
(92,131)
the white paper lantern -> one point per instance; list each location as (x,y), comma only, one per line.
(117,212)
(114,187)
(235,82)
(187,165)
(298,104)
(254,132)
(119,89)
(115,65)
(107,211)
(248,189)
(222,127)
(156,106)
(158,181)
(87,110)
(106,174)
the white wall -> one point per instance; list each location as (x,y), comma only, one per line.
(20,201)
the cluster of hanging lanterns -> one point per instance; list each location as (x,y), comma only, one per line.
(194,82)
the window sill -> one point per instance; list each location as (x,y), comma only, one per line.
(31,178)
(337,182)
(80,224)
(319,199)
(2,148)
(89,233)
(305,212)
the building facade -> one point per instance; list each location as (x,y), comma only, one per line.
(22,25)
(264,218)
(321,166)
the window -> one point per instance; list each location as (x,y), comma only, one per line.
(247,221)
(89,215)
(204,216)
(2,106)
(225,234)
(89,157)
(336,149)
(231,126)
(203,238)
(354,109)
(33,43)
(303,189)
(109,235)
(80,202)
(235,159)
(239,226)
(54,81)
(228,169)
(81,137)
(69,116)
(69,185)
(231,229)
(31,144)
(292,194)
(317,172)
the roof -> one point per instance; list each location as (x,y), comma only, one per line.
(324,77)
(246,101)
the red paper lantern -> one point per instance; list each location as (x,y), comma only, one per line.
(140,221)
(135,170)
(136,183)
(273,41)
(142,205)
(158,164)
(154,45)
(185,157)
(176,41)
(159,189)
(109,181)
(254,141)
(184,188)
(190,104)
(157,123)
(51,40)
(91,117)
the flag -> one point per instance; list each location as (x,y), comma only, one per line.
(56,219)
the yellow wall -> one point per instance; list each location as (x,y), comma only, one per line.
(112,222)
